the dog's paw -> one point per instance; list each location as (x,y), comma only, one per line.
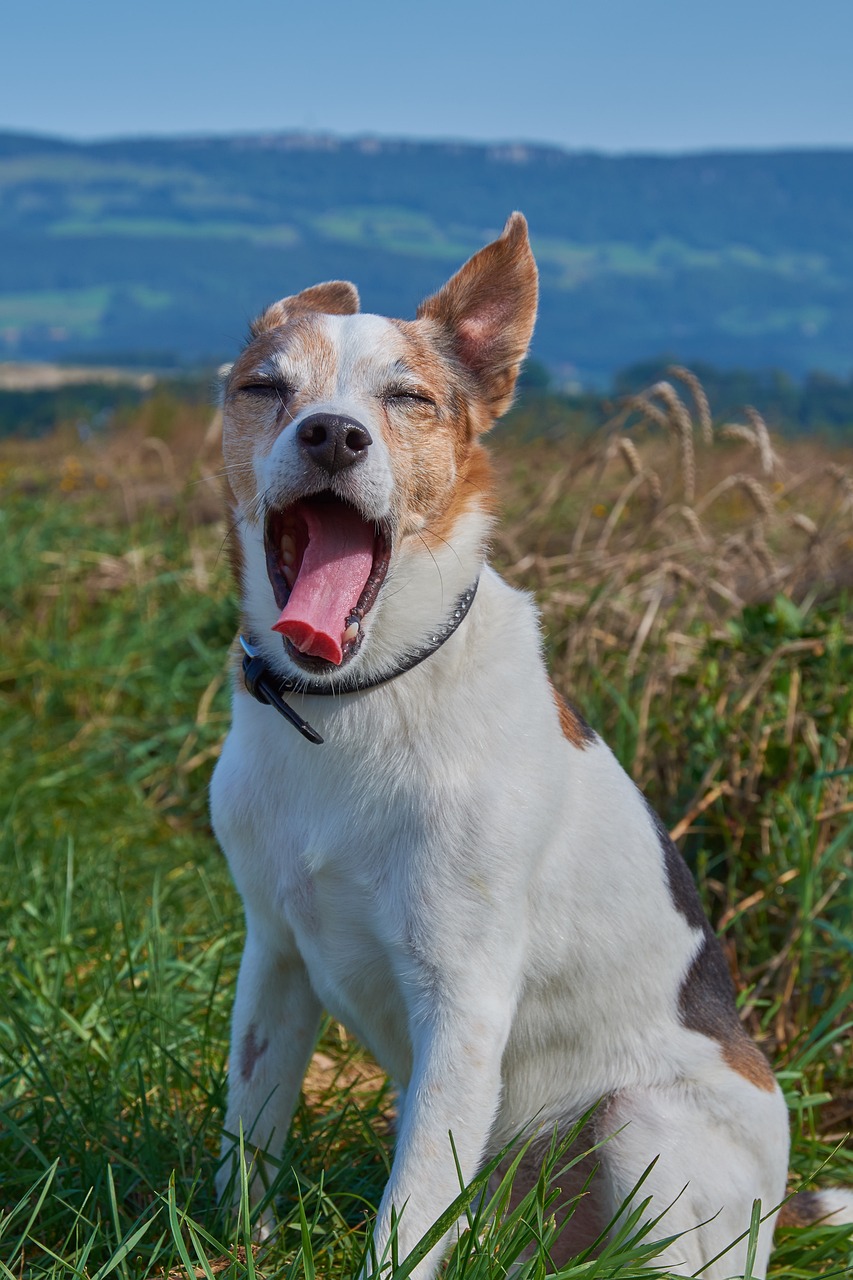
(264,1226)
(239,1184)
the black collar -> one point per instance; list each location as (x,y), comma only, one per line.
(269,688)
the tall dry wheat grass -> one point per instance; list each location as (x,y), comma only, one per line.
(659,519)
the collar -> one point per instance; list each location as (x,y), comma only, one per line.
(271,689)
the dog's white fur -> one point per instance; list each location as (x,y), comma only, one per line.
(463,874)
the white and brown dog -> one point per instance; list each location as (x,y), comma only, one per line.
(437,849)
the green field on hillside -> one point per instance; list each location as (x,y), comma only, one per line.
(743,260)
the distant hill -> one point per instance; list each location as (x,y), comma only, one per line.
(166,248)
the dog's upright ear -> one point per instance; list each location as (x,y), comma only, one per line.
(488,310)
(334,298)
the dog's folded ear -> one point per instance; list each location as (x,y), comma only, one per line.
(334,298)
(488,310)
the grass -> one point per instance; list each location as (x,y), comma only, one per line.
(709,638)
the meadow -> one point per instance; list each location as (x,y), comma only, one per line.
(696,584)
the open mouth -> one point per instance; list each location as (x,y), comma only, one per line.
(326,564)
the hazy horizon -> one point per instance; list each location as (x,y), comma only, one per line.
(450,140)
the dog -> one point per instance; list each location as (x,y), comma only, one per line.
(429,842)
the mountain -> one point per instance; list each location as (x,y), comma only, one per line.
(167,247)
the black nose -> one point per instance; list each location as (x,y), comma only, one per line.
(333,441)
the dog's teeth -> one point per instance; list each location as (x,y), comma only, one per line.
(288,549)
(351,631)
(289,575)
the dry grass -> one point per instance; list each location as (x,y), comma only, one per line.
(659,523)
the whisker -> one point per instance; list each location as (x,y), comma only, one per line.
(258,505)
(223,473)
(231,530)
(447,544)
(283,405)
(435,562)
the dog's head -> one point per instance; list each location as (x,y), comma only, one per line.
(360,488)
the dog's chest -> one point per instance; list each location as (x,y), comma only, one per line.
(353,938)
(336,865)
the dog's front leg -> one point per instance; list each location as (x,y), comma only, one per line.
(454,1089)
(274,1028)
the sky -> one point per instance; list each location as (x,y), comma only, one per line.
(607,75)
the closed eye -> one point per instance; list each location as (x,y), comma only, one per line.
(280,390)
(402,395)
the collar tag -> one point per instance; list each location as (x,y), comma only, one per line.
(263,686)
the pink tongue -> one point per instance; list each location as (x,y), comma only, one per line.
(335,569)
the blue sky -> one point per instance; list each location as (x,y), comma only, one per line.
(613,75)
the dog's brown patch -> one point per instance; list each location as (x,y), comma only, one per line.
(250,1053)
(580,1205)
(706,1004)
(334,298)
(802,1210)
(744,1056)
(474,489)
(574,728)
(706,1000)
